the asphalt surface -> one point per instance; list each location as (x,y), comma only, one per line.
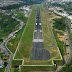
(38,50)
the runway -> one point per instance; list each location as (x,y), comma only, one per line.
(38,50)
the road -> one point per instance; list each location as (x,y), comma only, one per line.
(70,44)
(70,51)
(38,50)
(4,44)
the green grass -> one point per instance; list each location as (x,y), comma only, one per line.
(22,17)
(15,41)
(25,46)
(60,33)
(59,43)
(37,68)
(39,62)
(48,35)
(59,24)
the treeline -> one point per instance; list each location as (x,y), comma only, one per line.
(59,24)
(66,6)
(26,2)
(32,1)
(14,6)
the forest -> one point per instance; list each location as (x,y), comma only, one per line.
(59,24)
(67,7)
(25,2)
(7,25)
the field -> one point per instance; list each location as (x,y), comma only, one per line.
(49,40)
(24,49)
(13,43)
(59,43)
(37,68)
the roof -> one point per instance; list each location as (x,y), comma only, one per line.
(1,66)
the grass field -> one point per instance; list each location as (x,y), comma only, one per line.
(59,43)
(48,36)
(24,50)
(37,68)
(39,62)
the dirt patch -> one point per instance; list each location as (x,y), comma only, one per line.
(51,17)
(66,57)
(10,44)
(61,38)
(67,49)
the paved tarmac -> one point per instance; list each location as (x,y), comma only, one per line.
(38,50)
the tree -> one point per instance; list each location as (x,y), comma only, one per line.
(5,64)
(1,40)
(16,70)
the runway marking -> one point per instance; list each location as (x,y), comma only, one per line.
(39,23)
(38,40)
(36,23)
(35,30)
